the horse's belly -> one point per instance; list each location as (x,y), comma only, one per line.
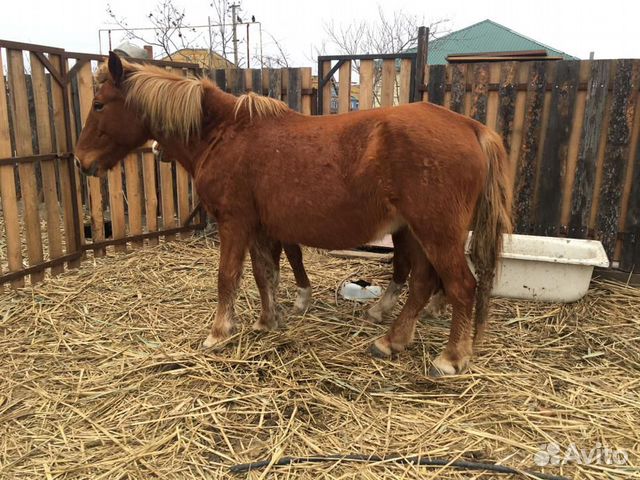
(344,226)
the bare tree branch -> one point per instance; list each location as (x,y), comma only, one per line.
(387,34)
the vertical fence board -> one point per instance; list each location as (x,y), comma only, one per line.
(256,80)
(326,89)
(436,85)
(65,172)
(220,77)
(26,170)
(134,195)
(480,90)
(182,186)
(45,145)
(365,101)
(275,83)
(306,82)
(404,87)
(388,83)
(344,87)
(555,150)
(630,255)
(116,205)
(294,89)
(85,97)
(8,190)
(236,78)
(507,102)
(150,194)
(581,202)
(458,87)
(525,183)
(617,151)
(166,192)
(493,96)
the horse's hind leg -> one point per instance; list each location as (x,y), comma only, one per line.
(401,269)
(422,282)
(294,255)
(266,270)
(459,284)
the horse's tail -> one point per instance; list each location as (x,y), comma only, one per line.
(492,219)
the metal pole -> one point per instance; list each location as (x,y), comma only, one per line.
(260,30)
(234,17)
(248,52)
(210,43)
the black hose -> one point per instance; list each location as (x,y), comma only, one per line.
(416,460)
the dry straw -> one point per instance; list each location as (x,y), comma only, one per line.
(102,377)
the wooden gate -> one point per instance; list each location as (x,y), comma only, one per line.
(51,215)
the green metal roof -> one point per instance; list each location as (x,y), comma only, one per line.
(482,37)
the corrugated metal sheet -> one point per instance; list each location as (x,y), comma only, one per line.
(485,36)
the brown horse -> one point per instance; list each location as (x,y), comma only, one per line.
(377,313)
(268,175)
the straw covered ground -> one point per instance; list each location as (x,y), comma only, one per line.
(102,376)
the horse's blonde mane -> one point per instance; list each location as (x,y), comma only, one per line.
(259,106)
(170,104)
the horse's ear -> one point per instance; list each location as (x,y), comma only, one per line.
(116,70)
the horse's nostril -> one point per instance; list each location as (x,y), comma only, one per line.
(76,160)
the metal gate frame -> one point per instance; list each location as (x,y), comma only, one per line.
(418,64)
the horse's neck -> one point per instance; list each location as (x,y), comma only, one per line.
(217,111)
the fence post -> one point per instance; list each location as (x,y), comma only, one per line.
(420,63)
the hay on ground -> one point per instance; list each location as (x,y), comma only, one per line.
(103,377)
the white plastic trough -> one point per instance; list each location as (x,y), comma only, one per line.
(547,269)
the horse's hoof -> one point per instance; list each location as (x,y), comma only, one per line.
(302,301)
(259,326)
(441,367)
(374,315)
(378,349)
(214,342)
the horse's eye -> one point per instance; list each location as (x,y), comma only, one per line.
(97,106)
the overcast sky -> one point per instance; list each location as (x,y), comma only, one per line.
(577,27)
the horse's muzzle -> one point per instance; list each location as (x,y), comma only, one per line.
(91,171)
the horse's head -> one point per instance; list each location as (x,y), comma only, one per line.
(113,129)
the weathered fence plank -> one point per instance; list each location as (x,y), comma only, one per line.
(436,85)
(525,182)
(555,150)
(594,115)
(26,170)
(150,194)
(134,195)
(480,91)
(366,85)
(116,206)
(458,87)
(294,89)
(617,151)
(404,82)
(48,167)
(8,189)
(387,88)
(507,102)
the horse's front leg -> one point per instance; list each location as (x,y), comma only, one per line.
(233,246)
(266,271)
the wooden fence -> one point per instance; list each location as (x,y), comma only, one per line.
(51,215)
(571,129)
